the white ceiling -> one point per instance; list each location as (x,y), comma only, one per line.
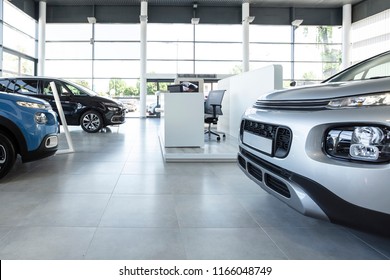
(257,3)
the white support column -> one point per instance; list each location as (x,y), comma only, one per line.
(41,38)
(346,44)
(245,37)
(143,88)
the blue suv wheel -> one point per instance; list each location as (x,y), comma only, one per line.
(7,155)
(28,127)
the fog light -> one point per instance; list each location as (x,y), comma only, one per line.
(360,151)
(364,139)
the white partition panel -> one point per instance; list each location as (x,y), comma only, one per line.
(242,91)
(183,119)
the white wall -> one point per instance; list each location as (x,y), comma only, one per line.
(242,91)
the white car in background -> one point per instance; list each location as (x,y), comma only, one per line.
(325,149)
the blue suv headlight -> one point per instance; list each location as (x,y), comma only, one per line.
(33,105)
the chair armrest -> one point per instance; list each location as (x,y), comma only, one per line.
(215,109)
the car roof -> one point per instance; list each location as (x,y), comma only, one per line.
(31,78)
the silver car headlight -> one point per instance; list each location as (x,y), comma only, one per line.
(379,99)
(364,143)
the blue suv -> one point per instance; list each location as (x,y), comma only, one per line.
(28,127)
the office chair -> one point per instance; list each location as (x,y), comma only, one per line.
(212,109)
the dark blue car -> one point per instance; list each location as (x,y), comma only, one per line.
(28,127)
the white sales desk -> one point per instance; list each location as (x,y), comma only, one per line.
(182,119)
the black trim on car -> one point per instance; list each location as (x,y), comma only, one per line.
(41,152)
(13,131)
(281,136)
(338,210)
(302,105)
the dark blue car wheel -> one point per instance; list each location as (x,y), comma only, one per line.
(91,121)
(7,155)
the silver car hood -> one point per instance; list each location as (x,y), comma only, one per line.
(329,90)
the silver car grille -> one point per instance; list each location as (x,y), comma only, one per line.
(281,136)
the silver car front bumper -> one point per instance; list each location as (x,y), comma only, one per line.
(309,180)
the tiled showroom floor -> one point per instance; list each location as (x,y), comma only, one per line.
(115,198)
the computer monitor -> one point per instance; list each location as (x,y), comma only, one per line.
(190,84)
(175,88)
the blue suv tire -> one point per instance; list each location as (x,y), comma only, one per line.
(7,155)
(28,127)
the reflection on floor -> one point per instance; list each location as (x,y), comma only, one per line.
(224,150)
(116,198)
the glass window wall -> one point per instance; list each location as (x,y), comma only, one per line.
(218,33)
(64,32)
(187,49)
(370,36)
(170,67)
(218,51)
(170,50)
(270,33)
(117,50)
(18,20)
(317,53)
(15,40)
(19,42)
(270,52)
(117,32)
(10,63)
(170,32)
(68,50)
(99,53)
(116,69)
(69,69)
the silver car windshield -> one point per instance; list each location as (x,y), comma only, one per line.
(373,68)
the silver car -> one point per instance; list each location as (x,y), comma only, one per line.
(325,149)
